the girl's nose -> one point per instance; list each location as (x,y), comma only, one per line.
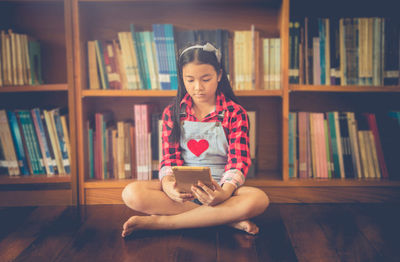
(197,85)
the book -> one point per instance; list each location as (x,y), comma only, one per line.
(44,147)
(252,116)
(55,113)
(92,66)
(50,125)
(8,146)
(171,54)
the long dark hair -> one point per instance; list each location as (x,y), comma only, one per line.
(202,57)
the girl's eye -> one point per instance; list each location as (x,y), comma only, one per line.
(206,80)
(190,81)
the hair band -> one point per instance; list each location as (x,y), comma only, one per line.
(207,47)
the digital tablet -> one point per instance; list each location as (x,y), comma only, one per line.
(186,176)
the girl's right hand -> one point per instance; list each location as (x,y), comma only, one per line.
(168,184)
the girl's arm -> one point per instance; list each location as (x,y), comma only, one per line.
(171,151)
(239,159)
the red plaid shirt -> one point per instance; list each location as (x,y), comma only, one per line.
(236,126)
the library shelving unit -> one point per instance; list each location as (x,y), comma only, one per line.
(102,19)
(48,22)
(348,98)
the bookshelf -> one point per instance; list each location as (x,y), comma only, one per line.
(102,19)
(48,22)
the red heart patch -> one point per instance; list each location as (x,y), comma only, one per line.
(197,147)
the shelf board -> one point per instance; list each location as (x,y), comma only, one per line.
(34,179)
(110,183)
(167,93)
(322,183)
(35,88)
(128,93)
(258,93)
(271,182)
(351,88)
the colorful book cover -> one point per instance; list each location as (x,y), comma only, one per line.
(170,43)
(35,142)
(28,142)
(11,160)
(334,141)
(37,121)
(101,65)
(159,41)
(139,56)
(61,140)
(140,37)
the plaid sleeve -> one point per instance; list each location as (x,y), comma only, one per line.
(238,149)
(171,151)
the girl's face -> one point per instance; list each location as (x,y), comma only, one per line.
(201,82)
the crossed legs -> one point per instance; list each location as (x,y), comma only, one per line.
(148,197)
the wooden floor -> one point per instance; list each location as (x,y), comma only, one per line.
(323,232)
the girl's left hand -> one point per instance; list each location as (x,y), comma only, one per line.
(210,197)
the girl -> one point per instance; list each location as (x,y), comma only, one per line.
(204,127)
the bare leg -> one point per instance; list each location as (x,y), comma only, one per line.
(247,202)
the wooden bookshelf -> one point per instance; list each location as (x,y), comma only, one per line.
(167,93)
(38,88)
(48,22)
(356,89)
(34,179)
(102,19)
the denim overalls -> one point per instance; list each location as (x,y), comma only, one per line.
(204,144)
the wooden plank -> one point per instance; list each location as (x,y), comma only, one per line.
(12,217)
(277,194)
(71,99)
(272,242)
(332,194)
(33,179)
(99,238)
(36,88)
(36,197)
(52,239)
(234,245)
(152,246)
(284,35)
(308,238)
(342,232)
(351,88)
(199,244)
(103,196)
(12,245)
(380,225)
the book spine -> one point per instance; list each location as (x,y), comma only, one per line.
(54,140)
(28,142)
(8,146)
(35,113)
(61,140)
(18,142)
(170,44)
(35,142)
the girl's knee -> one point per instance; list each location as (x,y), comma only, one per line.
(260,201)
(131,195)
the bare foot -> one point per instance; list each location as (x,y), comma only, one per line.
(135,223)
(247,226)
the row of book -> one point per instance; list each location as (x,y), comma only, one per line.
(20,60)
(344,145)
(146,60)
(34,142)
(125,149)
(344,51)
(271,63)
(133,148)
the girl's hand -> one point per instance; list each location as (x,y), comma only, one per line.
(168,184)
(210,197)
